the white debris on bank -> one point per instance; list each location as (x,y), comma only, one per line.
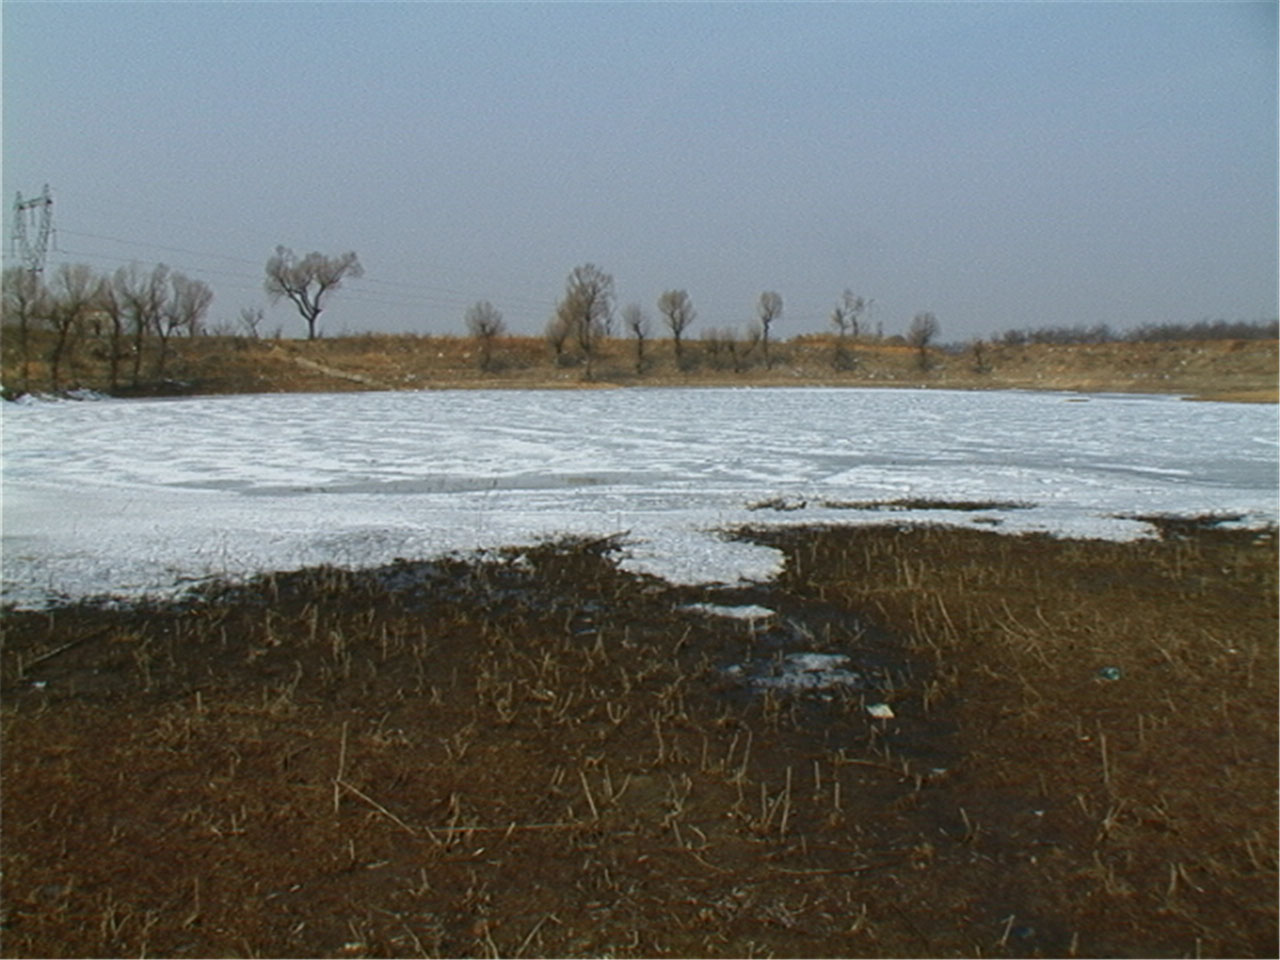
(751,612)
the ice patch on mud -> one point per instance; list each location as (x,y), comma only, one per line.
(691,558)
(750,612)
(800,672)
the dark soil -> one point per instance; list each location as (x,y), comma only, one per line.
(536,754)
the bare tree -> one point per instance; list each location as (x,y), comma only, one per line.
(484,322)
(727,347)
(183,310)
(979,348)
(636,321)
(251,321)
(587,307)
(845,318)
(24,304)
(847,314)
(556,333)
(924,327)
(677,310)
(308,281)
(71,299)
(714,343)
(108,303)
(768,310)
(143,297)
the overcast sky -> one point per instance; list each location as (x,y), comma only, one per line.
(999,164)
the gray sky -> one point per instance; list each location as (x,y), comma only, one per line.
(1000,164)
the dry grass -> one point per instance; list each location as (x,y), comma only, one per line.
(1231,370)
(540,755)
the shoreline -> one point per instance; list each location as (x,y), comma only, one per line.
(1256,396)
(1237,371)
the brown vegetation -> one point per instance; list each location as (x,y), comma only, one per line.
(539,755)
(1221,369)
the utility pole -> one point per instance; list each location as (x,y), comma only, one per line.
(39,213)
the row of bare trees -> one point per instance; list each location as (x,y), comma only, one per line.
(584,318)
(120,314)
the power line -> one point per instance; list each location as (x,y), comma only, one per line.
(251,283)
(451,296)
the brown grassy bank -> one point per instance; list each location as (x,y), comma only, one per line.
(1235,370)
(543,756)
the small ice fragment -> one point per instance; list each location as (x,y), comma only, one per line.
(817,662)
(750,612)
(881,711)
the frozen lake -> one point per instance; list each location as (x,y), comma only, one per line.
(134,497)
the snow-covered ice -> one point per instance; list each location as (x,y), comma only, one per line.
(135,497)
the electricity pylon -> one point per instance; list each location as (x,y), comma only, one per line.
(38,213)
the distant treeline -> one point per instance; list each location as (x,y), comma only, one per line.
(1148,333)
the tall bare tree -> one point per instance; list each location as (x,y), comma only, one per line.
(924,327)
(24,305)
(108,303)
(769,309)
(845,318)
(70,302)
(307,282)
(484,322)
(587,307)
(143,297)
(636,321)
(677,310)
(183,311)
(847,314)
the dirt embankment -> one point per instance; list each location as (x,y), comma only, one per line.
(1241,370)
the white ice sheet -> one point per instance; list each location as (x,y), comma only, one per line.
(143,497)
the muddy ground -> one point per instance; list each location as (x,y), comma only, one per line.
(536,754)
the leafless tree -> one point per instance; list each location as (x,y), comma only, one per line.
(924,327)
(143,297)
(183,310)
(484,322)
(24,305)
(847,314)
(587,307)
(678,313)
(308,281)
(108,303)
(845,318)
(979,348)
(714,344)
(251,321)
(556,333)
(636,322)
(769,309)
(727,347)
(70,301)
